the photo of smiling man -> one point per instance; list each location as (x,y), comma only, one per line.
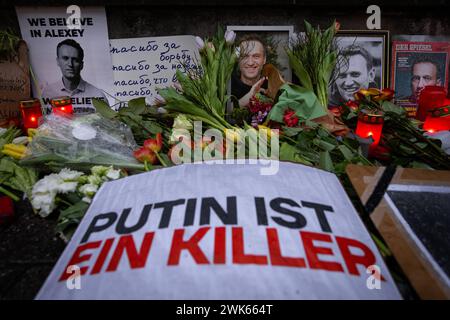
(248,80)
(354,71)
(69,58)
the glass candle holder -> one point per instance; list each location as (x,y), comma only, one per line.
(31,113)
(62,106)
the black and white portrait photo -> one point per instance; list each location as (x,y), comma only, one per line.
(68,60)
(361,64)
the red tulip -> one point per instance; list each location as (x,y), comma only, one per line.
(144,154)
(154,145)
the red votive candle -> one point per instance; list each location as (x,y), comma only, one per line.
(62,106)
(370,125)
(430,98)
(31,113)
(438,120)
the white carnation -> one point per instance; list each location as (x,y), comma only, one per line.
(47,184)
(88,189)
(113,174)
(65,187)
(44,203)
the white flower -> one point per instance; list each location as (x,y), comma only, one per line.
(182,122)
(95,180)
(47,184)
(230,35)
(44,202)
(88,189)
(113,174)
(67,174)
(67,187)
(161,110)
(87,199)
(200,43)
(159,100)
(99,170)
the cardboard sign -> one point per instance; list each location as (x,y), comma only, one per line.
(222,231)
(141,65)
(14,84)
(69,53)
(413,219)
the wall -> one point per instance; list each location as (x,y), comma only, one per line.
(201,17)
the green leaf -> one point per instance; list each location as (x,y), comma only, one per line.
(388,106)
(291,153)
(304,102)
(137,106)
(325,161)
(324,145)
(346,152)
(422,145)
(300,71)
(75,211)
(351,115)
(103,108)
(153,127)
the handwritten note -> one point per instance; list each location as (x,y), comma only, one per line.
(141,65)
(14,84)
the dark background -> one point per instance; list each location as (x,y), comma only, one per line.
(139,18)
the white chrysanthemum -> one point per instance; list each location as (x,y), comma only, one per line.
(67,174)
(44,203)
(66,187)
(113,174)
(47,184)
(88,189)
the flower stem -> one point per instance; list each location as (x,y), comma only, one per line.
(9,194)
(160,159)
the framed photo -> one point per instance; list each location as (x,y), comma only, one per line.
(271,39)
(276,39)
(363,62)
(416,64)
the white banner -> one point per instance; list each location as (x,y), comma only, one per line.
(141,65)
(223,231)
(69,53)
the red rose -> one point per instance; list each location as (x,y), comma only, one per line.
(289,118)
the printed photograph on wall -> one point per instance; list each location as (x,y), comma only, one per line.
(362,63)
(69,56)
(259,46)
(416,65)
